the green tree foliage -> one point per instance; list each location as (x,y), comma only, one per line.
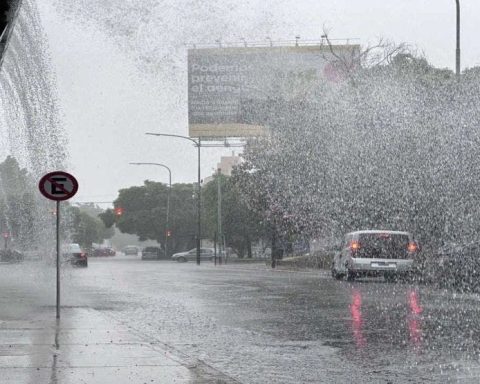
(144,213)
(108,218)
(18,206)
(240,225)
(86,229)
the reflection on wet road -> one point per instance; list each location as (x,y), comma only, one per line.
(262,326)
(373,321)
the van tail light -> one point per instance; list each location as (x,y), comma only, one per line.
(354,246)
(83,255)
(412,247)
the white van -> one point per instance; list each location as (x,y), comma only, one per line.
(375,253)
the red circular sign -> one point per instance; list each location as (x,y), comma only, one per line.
(58,186)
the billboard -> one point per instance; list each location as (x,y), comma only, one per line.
(227,85)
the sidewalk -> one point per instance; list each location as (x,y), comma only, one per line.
(86,346)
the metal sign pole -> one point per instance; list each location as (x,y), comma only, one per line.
(58,186)
(58,259)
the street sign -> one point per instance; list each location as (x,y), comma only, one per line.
(58,186)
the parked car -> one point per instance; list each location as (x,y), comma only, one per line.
(106,251)
(152,253)
(73,254)
(191,255)
(375,253)
(130,250)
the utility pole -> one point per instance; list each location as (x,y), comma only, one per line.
(219,212)
(199,207)
(457,51)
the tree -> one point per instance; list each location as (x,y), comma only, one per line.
(86,229)
(144,213)
(19,210)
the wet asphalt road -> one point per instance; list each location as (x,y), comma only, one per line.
(256,325)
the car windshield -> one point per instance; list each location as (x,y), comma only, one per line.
(227,191)
(72,248)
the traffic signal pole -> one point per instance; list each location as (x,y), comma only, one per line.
(199,206)
(457,51)
(219,214)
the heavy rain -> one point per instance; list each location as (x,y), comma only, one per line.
(268,192)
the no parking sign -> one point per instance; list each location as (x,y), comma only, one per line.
(58,186)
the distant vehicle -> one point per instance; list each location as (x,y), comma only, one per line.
(152,253)
(104,252)
(130,250)
(73,254)
(375,253)
(191,255)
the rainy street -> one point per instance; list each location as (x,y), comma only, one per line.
(250,324)
(313,144)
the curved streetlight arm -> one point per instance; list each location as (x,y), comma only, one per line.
(457,51)
(172,135)
(160,165)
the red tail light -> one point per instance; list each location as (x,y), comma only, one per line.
(412,247)
(354,246)
(83,255)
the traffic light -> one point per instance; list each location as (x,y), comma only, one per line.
(118,211)
(169,233)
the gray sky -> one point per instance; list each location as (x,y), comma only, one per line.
(122,72)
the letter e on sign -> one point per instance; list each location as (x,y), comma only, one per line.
(58,186)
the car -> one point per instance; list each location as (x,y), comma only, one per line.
(130,250)
(191,255)
(375,253)
(74,255)
(152,253)
(103,252)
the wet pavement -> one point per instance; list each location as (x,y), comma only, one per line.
(130,321)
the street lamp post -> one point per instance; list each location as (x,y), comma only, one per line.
(457,51)
(199,215)
(168,200)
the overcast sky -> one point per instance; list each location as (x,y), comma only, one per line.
(122,71)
